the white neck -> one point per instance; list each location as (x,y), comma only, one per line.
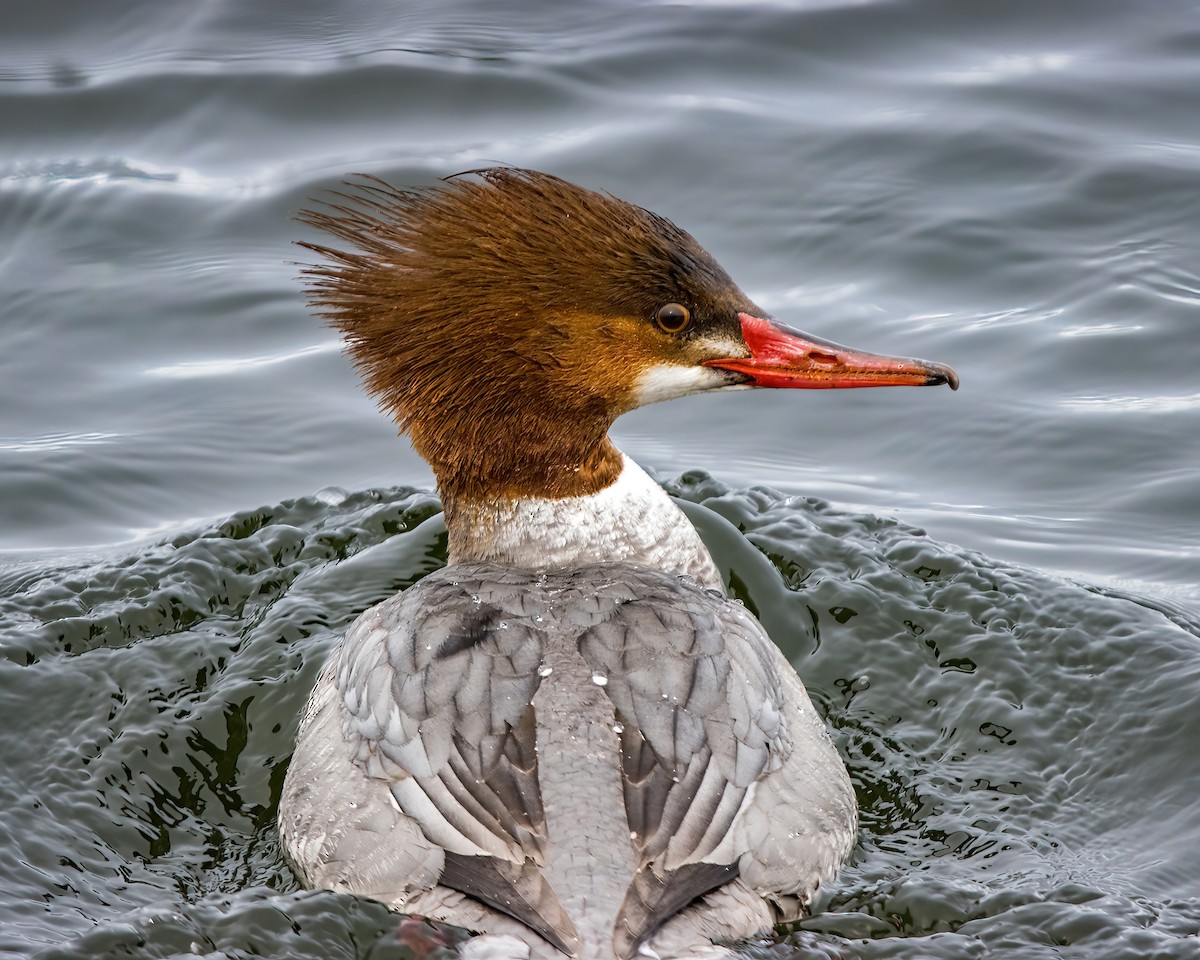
(632,520)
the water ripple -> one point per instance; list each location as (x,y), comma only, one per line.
(223,367)
(55,441)
(1174,403)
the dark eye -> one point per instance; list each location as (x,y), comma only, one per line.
(673,318)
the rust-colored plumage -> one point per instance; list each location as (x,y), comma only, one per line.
(503,318)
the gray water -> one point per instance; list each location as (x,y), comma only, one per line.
(196,497)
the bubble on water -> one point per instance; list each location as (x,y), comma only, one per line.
(334,496)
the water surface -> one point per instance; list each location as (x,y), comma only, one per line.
(1008,188)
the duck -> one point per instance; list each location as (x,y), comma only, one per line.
(569,740)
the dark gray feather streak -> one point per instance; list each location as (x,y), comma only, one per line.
(518,890)
(653,899)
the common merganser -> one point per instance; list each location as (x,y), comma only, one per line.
(569,739)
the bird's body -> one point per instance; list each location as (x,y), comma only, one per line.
(568,740)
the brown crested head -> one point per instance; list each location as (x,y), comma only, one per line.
(507,317)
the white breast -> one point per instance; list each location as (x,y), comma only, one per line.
(632,520)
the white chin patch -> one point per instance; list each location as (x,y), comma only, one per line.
(669,380)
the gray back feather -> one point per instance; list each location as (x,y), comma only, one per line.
(438,685)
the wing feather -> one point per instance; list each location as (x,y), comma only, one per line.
(695,687)
(656,897)
(437,687)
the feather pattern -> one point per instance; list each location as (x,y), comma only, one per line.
(436,694)
(698,711)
